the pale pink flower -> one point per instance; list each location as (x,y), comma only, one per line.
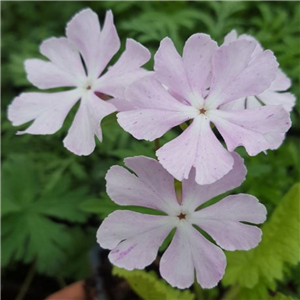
(274,95)
(199,83)
(134,238)
(85,42)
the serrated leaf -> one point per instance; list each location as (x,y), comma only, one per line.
(28,232)
(279,247)
(148,286)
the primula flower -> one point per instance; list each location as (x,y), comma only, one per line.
(197,85)
(85,42)
(274,95)
(134,238)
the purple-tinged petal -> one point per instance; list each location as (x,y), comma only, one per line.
(230,37)
(193,194)
(189,250)
(287,100)
(281,82)
(248,127)
(124,224)
(47,110)
(96,47)
(121,104)
(222,221)
(252,102)
(233,36)
(150,124)
(176,265)
(46,75)
(64,55)
(155,192)
(81,136)
(133,237)
(242,103)
(125,71)
(156,111)
(170,70)
(275,139)
(196,147)
(237,74)
(238,104)
(197,54)
(109,43)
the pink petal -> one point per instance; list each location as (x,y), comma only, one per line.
(47,110)
(281,82)
(238,104)
(222,221)
(150,124)
(193,194)
(242,103)
(249,127)
(135,238)
(233,36)
(81,135)
(189,250)
(121,104)
(230,37)
(97,48)
(153,186)
(275,139)
(46,75)
(237,74)
(156,111)
(196,147)
(64,55)
(287,100)
(125,71)
(170,70)
(252,102)
(124,224)
(197,54)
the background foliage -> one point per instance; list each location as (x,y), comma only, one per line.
(53,201)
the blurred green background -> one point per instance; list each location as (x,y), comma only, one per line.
(53,201)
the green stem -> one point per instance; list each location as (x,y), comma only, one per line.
(27,282)
(198,291)
(156,145)
(232,293)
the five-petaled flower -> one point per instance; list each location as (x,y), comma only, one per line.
(134,238)
(85,42)
(195,87)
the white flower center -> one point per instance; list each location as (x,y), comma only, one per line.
(87,85)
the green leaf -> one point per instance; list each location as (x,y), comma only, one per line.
(29,232)
(279,248)
(280,296)
(149,287)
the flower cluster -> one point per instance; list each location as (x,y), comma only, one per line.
(235,91)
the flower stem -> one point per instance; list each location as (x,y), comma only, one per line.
(198,291)
(27,282)
(156,145)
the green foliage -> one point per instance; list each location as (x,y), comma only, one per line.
(149,287)
(280,296)
(46,214)
(31,211)
(279,247)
